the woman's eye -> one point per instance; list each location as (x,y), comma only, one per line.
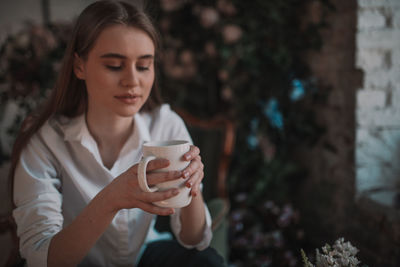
(142,68)
(114,68)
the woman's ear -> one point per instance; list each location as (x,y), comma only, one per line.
(79,68)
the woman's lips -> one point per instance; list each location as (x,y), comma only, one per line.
(128,98)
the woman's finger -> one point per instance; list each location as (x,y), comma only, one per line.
(160,177)
(158,195)
(194,166)
(150,208)
(192,153)
(195,189)
(152,165)
(194,182)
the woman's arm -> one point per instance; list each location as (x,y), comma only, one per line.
(193,221)
(69,246)
(193,218)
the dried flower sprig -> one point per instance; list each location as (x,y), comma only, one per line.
(341,254)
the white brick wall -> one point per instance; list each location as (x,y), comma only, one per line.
(371,19)
(378,102)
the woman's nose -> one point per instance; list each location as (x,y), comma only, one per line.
(130,77)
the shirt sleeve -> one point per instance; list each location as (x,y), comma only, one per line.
(169,125)
(38,202)
(207,234)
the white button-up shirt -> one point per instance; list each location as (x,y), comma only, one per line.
(60,171)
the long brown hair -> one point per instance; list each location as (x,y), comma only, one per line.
(69,96)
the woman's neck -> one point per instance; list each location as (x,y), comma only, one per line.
(110,134)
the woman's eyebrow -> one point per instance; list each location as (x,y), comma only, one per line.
(116,55)
(113,55)
(146,57)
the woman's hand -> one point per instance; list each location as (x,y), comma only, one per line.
(194,171)
(125,192)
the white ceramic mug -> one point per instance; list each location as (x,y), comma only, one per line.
(173,151)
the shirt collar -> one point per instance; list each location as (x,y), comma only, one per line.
(74,129)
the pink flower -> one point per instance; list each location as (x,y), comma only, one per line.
(267,147)
(186,57)
(165,24)
(231,33)
(171,5)
(210,49)
(176,72)
(226,7)
(223,75)
(43,41)
(227,94)
(208,17)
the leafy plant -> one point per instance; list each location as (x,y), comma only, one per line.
(244,59)
(29,62)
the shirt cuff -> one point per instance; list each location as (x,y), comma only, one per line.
(38,256)
(207,234)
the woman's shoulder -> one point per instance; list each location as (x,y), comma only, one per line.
(165,124)
(58,128)
(162,114)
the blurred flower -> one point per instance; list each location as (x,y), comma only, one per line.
(188,64)
(297,90)
(271,111)
(263,261)
(269,204)
(252,141)
(223,75)
(186,57)
(176,72)
(171,5)
(210,49)
(267,147)
(22,41)
(226,93)
(165,24)
(286,216)
(241,197)
(208,17)
(231,33)
(43,41)
(226,7)
(278,238)
(254,124)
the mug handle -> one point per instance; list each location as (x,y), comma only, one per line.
(142,175)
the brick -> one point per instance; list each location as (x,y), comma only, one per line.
(368,177)
(396,18)
(377,144)
(376,149)
(371,19)
(381,78)
(370,59)
(378,3)
(395,94)
(388,117)
(383,39)
(371,99)
(396,57)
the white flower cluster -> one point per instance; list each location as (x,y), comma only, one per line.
(341,254)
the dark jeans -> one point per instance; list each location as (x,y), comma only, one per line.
(171,253)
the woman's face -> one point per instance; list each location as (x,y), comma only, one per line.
(118,72)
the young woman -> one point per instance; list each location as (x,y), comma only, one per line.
(75,189)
